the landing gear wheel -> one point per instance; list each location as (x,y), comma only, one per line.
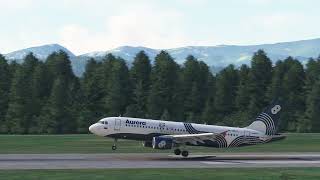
(177,151)
(114,147)
(185,153)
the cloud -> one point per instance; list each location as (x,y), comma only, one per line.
(15,4)
(275,27)
(260,2)
(141,25)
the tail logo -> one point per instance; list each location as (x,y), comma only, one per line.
(275,109)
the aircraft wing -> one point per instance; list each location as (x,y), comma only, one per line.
(194,139)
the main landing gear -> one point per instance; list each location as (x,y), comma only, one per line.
(184,153)
(114,147)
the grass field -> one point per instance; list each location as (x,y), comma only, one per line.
(93,144)
(167,174)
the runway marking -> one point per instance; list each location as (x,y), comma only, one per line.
(262,162)
(153,160)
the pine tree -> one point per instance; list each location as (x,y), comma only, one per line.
(308,123)
(260,77)
(275,90)
(118,89)
(55,117)
(58,115)
(165,115)
(164,88)
(313,108)
(190,87)
(243,93)
(39,95)
(140,80)
(19,117)
(208,115)
(293,83)
(312,73)
(226,90)
(195,76)
(5,78)
(92,87)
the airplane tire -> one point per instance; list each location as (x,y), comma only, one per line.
(185,153)
(177,151)
(114,147)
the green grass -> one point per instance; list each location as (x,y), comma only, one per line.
(166,174)
(93,144)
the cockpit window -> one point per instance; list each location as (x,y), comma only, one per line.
(103,122)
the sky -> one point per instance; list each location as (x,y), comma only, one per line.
(84,26)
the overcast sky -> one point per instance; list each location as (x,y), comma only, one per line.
(90,25)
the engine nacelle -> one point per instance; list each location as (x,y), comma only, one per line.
(162,143)
(147,144)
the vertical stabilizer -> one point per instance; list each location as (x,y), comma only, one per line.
(267,122)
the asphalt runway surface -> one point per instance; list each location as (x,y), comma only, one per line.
(157,160)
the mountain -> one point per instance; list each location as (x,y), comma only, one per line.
(216,57)
(223,55)
(41,52)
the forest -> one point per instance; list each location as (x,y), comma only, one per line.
(45,97)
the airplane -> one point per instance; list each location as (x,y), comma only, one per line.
(160,134)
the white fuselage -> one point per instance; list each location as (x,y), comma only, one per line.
(145,129)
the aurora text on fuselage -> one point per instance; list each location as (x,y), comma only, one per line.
(136,122)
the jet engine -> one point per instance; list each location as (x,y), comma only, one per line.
(162,143)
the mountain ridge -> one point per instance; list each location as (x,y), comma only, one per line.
(217,56)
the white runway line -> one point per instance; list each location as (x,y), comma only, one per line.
(260,162)
(157,160)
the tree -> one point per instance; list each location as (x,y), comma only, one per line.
(259,80)
(312,73)
(164,87)
(59,114)
(140,80)
(190,87)
(276,89)
(56,116)
(118,89)
(5,78)
(23,104)
(92,86)
(195,76)
(313,108)
(208,115)
(309,122)
(226,91)
(293,84)
(243,93)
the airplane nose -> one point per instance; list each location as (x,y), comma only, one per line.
(97,129)
(93,128)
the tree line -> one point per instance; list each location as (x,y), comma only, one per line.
(46,97)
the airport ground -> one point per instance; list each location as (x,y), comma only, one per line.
(87,143)
(90,157)
(166,174)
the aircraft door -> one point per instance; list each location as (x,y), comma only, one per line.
(117,124)
(246,135)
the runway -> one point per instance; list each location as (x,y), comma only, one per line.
(157,160)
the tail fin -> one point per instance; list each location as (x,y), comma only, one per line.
(267,122)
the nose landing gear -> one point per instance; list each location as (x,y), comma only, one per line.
(114,147)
